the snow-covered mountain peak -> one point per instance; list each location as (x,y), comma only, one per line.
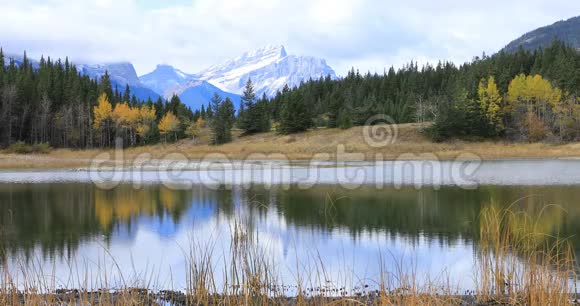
(241,65)
(270,68)
(266,52)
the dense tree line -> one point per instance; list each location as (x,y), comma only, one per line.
(520,96)
(52,103)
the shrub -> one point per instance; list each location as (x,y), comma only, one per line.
(41,148)
(21,147)
(537,130)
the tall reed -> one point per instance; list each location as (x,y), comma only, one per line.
(519,263)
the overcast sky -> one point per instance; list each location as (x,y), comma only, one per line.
(195,34)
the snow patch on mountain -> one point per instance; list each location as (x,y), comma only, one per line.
(270,68)
(227,75)
(291,70)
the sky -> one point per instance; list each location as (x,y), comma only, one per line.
(370,35)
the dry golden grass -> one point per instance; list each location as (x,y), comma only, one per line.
(410,143)
(521,264)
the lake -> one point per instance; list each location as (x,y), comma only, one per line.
(60,223)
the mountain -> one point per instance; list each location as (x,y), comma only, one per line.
(291,70)
(165,80)
(270,68)
(197,93)
(18,59)
(121,74)
(567,31)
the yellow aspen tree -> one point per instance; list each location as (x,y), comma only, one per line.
(516,92)
(121,115)
(146,118)
(534,91)
(194,129)
(168,124)
(103,111)
(490,102)
(538,99)
(126,119)
(103,115)
(147,114)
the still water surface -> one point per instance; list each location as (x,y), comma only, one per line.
(147,233)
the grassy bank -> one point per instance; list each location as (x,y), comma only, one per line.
(410,142)
(517,264)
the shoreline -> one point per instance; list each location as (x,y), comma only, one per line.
(314,145)
(178,298)
(185,174)
(44,163)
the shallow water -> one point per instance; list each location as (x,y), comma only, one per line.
(62,224)
(350,175)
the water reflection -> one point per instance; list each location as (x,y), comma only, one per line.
(435,229)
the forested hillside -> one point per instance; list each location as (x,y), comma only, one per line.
(521,96)
(566,31)
(54,104)
(505,95)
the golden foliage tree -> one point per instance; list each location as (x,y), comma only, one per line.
(146,119)
(168,124)
(534,92)
(103,111)
(490,102)
(126,119)
(534,103)
(103,115)
(125,116)
(194,129)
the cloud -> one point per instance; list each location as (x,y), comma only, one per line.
(192,35)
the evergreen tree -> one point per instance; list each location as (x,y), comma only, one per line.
(105,86)
(223,120)
(253,116)
(214,103)
(127,94)
(522,95)
(160,108)
(2,68)
(263,123)
(295,117)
